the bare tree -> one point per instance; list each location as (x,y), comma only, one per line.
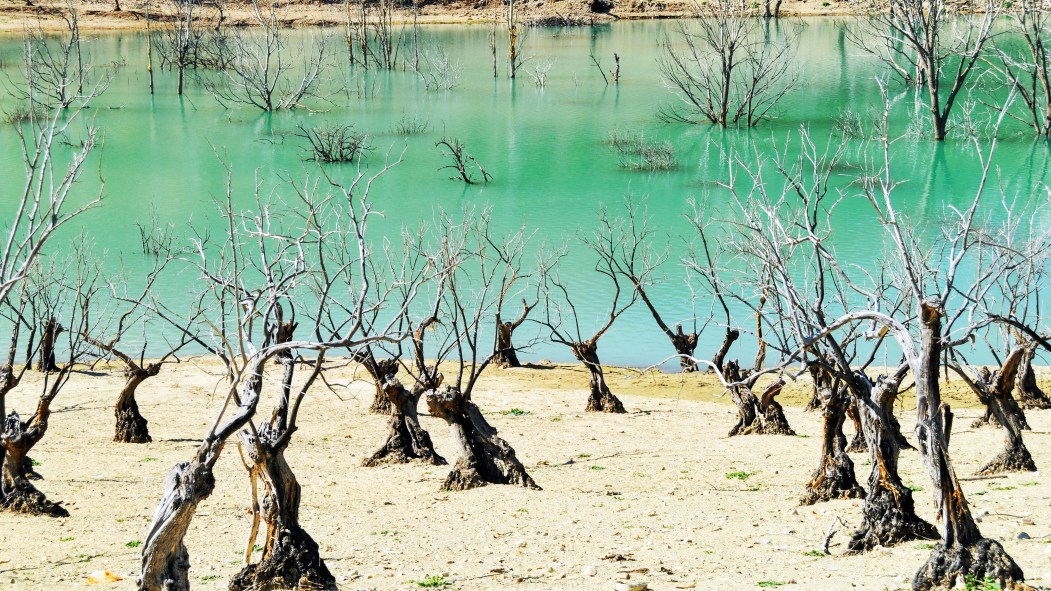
(259,265)
(563,320)
(516,34)
(477,278)
(62,289)
(1028,71)
(453,149)
(265,71)
(941,44)
(723,68)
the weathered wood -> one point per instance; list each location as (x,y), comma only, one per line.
(962,550)
(756,415)
(46,362)
(17,494)
(1029,393)
(291,558)
(600,398)
(995,388)
(407,441)
(380,371)
(889,513)
(834,478)
(484,458)
(131,426)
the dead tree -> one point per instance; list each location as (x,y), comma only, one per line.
(962,550)
(48,338)
(291,558)
(407,440)
(283,263)
(476,277)
(934,42)
(723,69)
(834,478)
(755,415)
(131,426)
(507,253)
(381,371)
(889,512)
(702,263)
(485,458)
(69,285)
(266,71)
(1028,72)
(452,148)
(627,247)
(1029,393)
(562,320)
(994,390)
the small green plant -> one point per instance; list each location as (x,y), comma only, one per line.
(1002,487)
(34,462)
(770,584)
(915,488)
(987,584)
(925,546)
(598,468)
(1034,483)
(133,544)
(826,4)
(583,456)
(814,553)
(738,475)
(147,459)
(432,581)
(210,578)
(66,539)
(515,412)
(257,548)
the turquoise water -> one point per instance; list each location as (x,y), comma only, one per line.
(545,147)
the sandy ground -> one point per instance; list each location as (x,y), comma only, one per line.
(99,14)
(643,495)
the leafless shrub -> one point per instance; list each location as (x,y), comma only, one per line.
(334,143)
(638,153)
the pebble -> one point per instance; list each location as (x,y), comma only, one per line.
(622,586)
(1023,536)
(589,571)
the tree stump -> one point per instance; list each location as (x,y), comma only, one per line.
(756,415)
(1029,393)
(484,458)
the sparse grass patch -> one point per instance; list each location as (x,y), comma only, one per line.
(770,584)
(514,412)
(133,544)
(432,581)
(638,153)
(738,475)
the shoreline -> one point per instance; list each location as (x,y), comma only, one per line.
(99,16)
(568,378)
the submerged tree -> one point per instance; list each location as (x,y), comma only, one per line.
(938,41)
(1028,71)
(724,68)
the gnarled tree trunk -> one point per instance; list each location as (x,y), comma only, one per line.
(889,512)
(408,441)
(380,370)
(858,443)
(46,363)
(1029,393)
(962,551)
(719,360)
(131,425)
(834,478)
(684,345)
(996,389)
(165,560)
(291,559)
(600,398)
(17,494)
(505,355)
(484,458)
(756,415)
